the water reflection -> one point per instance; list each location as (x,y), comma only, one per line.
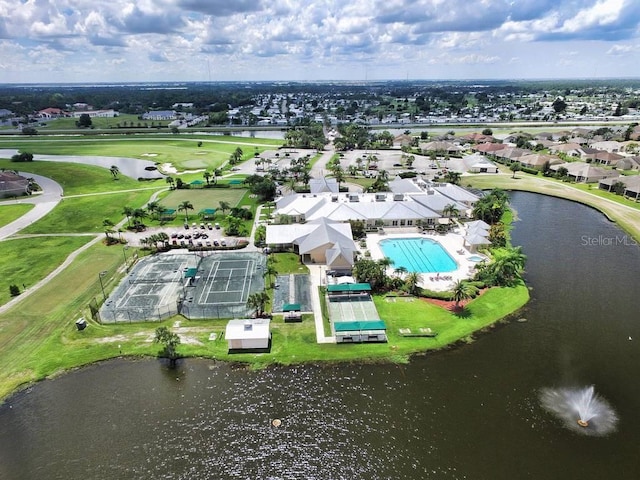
(472,412)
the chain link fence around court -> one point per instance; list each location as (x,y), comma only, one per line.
(151,291)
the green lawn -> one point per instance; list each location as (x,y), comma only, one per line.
(29,260)
(288,263)
(85,214)
(181,151)
(78,179)
(419,313)
(201,198)
(12,211)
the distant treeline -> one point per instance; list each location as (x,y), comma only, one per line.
(218,96)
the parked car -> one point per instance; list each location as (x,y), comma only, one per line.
(223,242)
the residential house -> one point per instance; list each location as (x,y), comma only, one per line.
(582,172)
(478,164)
(607,158)
(51,112)
(538,160)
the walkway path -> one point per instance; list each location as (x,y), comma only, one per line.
(317,273)
(44,202)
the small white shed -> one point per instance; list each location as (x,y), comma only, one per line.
(248,334)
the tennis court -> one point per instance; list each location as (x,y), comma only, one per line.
(344,308)
(150,291)
(223,284)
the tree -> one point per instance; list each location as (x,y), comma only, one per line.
(115,171)
(154,208)
(505,269)
(412,281)
(258,301)
(138,215)
(84,121)
(186,206)
(171,182)
(452,177)
(127,212)
(14,290)
(207,176)
(462,290)
(450,210)
(487,131)
(22,157)
(108,230)
(224,206)
(515,167)
(269,274)
(169,342)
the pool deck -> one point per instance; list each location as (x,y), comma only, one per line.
(453,243)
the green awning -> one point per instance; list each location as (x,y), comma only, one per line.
(207,211)
(359,326)
(190,273)
(291,307)
(235,182)
(169,211)
(349,287)
(197,182)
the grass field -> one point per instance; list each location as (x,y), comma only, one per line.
(12,211)
(85,214)
(28,260)
(202,198)
(181,151)
(77,179)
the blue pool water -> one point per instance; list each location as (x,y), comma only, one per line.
(421,255)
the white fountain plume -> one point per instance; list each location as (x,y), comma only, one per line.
(581,410)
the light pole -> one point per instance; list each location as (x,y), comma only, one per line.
(100,275)
(124,252)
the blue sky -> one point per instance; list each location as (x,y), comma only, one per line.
(304,40)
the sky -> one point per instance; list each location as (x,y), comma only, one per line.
(44,41)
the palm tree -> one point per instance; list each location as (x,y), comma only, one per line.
(258,301)
(171,182)
(224,206)
(186,205)
(127,212)
(138,215)
(114,171)
(207,176)
(154,208)
(452,177)
(412,281)
(108,224)
(400,271)
(450,210)
(216,173)
(164,238)
(461,291)
(269,272)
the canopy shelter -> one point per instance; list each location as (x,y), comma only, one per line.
(197,184)
(360,331)
(207,213)
(291,307)
(235,181)
(478,223)
(291,312)
(168,214)
(474,240)
(349,288)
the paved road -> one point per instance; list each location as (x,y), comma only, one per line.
(44,202)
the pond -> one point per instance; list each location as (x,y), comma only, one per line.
(470,412)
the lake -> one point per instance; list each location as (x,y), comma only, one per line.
(471,412)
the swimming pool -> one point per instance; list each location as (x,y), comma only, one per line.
(422,255)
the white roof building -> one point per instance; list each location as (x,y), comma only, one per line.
(248,334)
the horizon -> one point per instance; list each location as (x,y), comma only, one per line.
(116,41)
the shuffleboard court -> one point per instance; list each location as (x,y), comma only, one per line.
(352,309)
